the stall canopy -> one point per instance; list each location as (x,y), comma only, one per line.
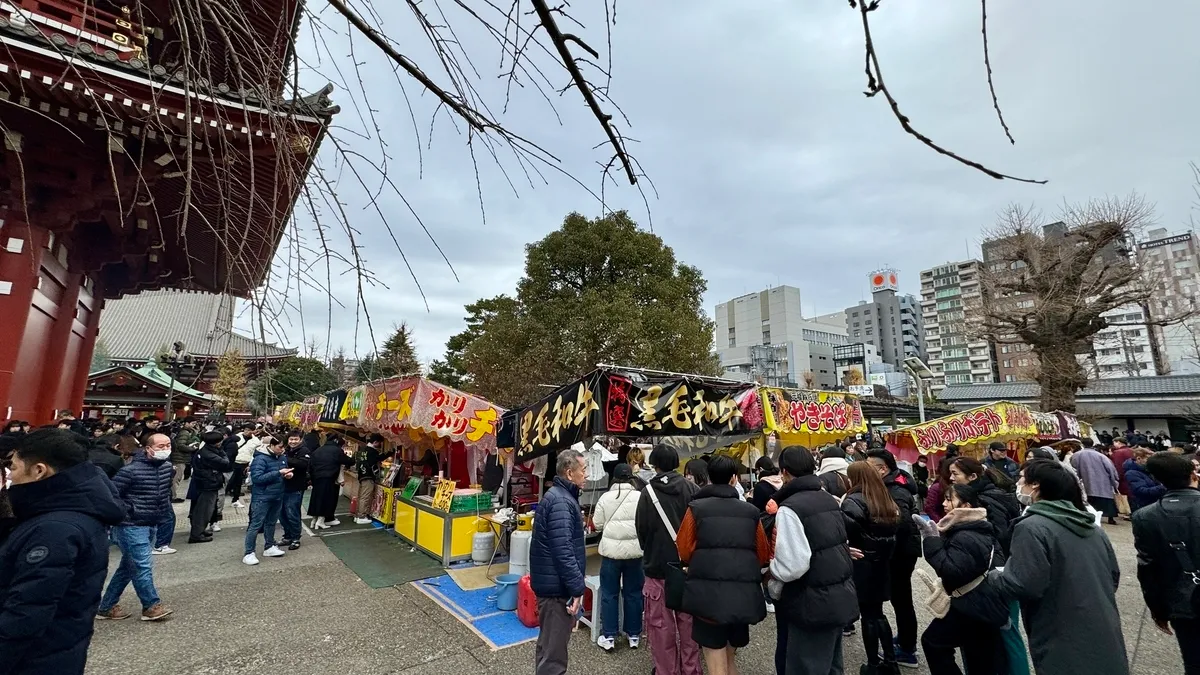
(810,418)
(1000,421)
(410,409)
(631,402)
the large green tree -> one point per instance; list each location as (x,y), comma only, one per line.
(398,356)
(295,378)
(597,290)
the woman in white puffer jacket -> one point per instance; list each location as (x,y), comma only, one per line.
(621,572)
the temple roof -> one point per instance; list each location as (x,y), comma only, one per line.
(138,327)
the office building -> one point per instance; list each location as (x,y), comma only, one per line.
(859,356)
(1173,263)
(764,337)
(890,322)
(949,293)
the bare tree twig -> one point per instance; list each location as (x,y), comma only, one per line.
(987,62)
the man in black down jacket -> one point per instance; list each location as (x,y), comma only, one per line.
(903,490)
(812,576)
(54,558)
(144,485)
(1166,587)
(298,457)
(558,562)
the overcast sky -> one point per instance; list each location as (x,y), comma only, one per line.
(771,166)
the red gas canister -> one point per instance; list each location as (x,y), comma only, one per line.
(527,609)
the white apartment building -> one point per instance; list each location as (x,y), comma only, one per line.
(764,337)
(1123,349)
(948,294)
(1173,263)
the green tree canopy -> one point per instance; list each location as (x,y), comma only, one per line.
(101,359)
(597,290)
(295,378)
(398,356)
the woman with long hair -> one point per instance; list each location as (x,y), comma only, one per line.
(637,461)
(872,520)
(696,472)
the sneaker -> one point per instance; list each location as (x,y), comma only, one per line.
(293,546)
(201,540)
(770,608)
(634,641)
(362,521)
(250,559)
(274,552)
(237,504)
(162,550)
(907,659)
(331,523)
(606,643)
(114,613)
(216,527)
(849,630)
(156,613)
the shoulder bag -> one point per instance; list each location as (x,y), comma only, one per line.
(676,576)
(1178,543)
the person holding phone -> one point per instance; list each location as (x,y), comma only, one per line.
(268,471)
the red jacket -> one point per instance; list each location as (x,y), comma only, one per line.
(1118,458)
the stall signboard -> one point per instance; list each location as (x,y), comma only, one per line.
(565,417)
(795,411)
(332,410)
(672,406)
(1049,427)
(999,421)
(411,487)
(863,389)
(444,495)
(352,405)
(397,405)
(310,411)
(1072,427)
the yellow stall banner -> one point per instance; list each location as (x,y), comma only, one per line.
(811,417)
(1001,420)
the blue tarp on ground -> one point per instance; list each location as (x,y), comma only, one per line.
(477,609)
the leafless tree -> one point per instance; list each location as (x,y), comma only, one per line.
(1050,285)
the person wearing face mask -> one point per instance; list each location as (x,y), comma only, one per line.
(54,555)
(1063,571)
(268,471)
(144,485)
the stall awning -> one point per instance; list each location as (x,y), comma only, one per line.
(1002,420)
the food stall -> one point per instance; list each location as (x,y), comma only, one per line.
(417,416)
(810,418)
(972,430)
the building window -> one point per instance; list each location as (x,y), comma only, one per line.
(869,332)
(1007,363)
(1009,378)
(1004,349)
(1023,362)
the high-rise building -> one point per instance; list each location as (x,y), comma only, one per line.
(890,322)
(764,337)
(1172,262)
(948,294)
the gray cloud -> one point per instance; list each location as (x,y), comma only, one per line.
(770,164)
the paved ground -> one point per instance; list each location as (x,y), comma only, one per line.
(307,613)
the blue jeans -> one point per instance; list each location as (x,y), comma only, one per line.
(264,514)
(290,515)
(136,542)
(623,578)
(165,531)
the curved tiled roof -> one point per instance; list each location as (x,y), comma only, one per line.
(138,327)
(1163,385)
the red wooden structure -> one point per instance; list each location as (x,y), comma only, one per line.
(142,150)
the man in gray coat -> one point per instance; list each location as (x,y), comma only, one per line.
(1063,571)
(1100,479)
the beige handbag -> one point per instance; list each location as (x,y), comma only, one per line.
(938,602)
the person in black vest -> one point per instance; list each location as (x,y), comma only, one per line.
(724,561)
(812,580)
(872,523)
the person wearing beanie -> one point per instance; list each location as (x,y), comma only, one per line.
(834,471)
(621,574)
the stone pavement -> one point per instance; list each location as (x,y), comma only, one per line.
(307,613)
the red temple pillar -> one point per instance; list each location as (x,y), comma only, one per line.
(21,249)
(51,394)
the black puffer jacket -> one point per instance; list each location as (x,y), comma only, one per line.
(298,460)
(903,489)
(52,566)
(1165,586)
(724,580)
(327,461)
(208,468)
(1002,508)
(824,596)
(109,460)
(877,541)
(144,485)
(966,549)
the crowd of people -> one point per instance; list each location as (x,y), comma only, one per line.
(70,491)
(826,539)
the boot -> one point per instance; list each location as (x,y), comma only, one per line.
(319,524)
(884,630)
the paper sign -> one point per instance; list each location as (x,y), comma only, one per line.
(411,487)
(444,495)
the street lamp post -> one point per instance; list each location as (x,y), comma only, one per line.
(175,359)
(919,372)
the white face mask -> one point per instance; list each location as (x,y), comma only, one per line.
(1025,499)
(161,454)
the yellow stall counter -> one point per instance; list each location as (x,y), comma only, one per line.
(445,536)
